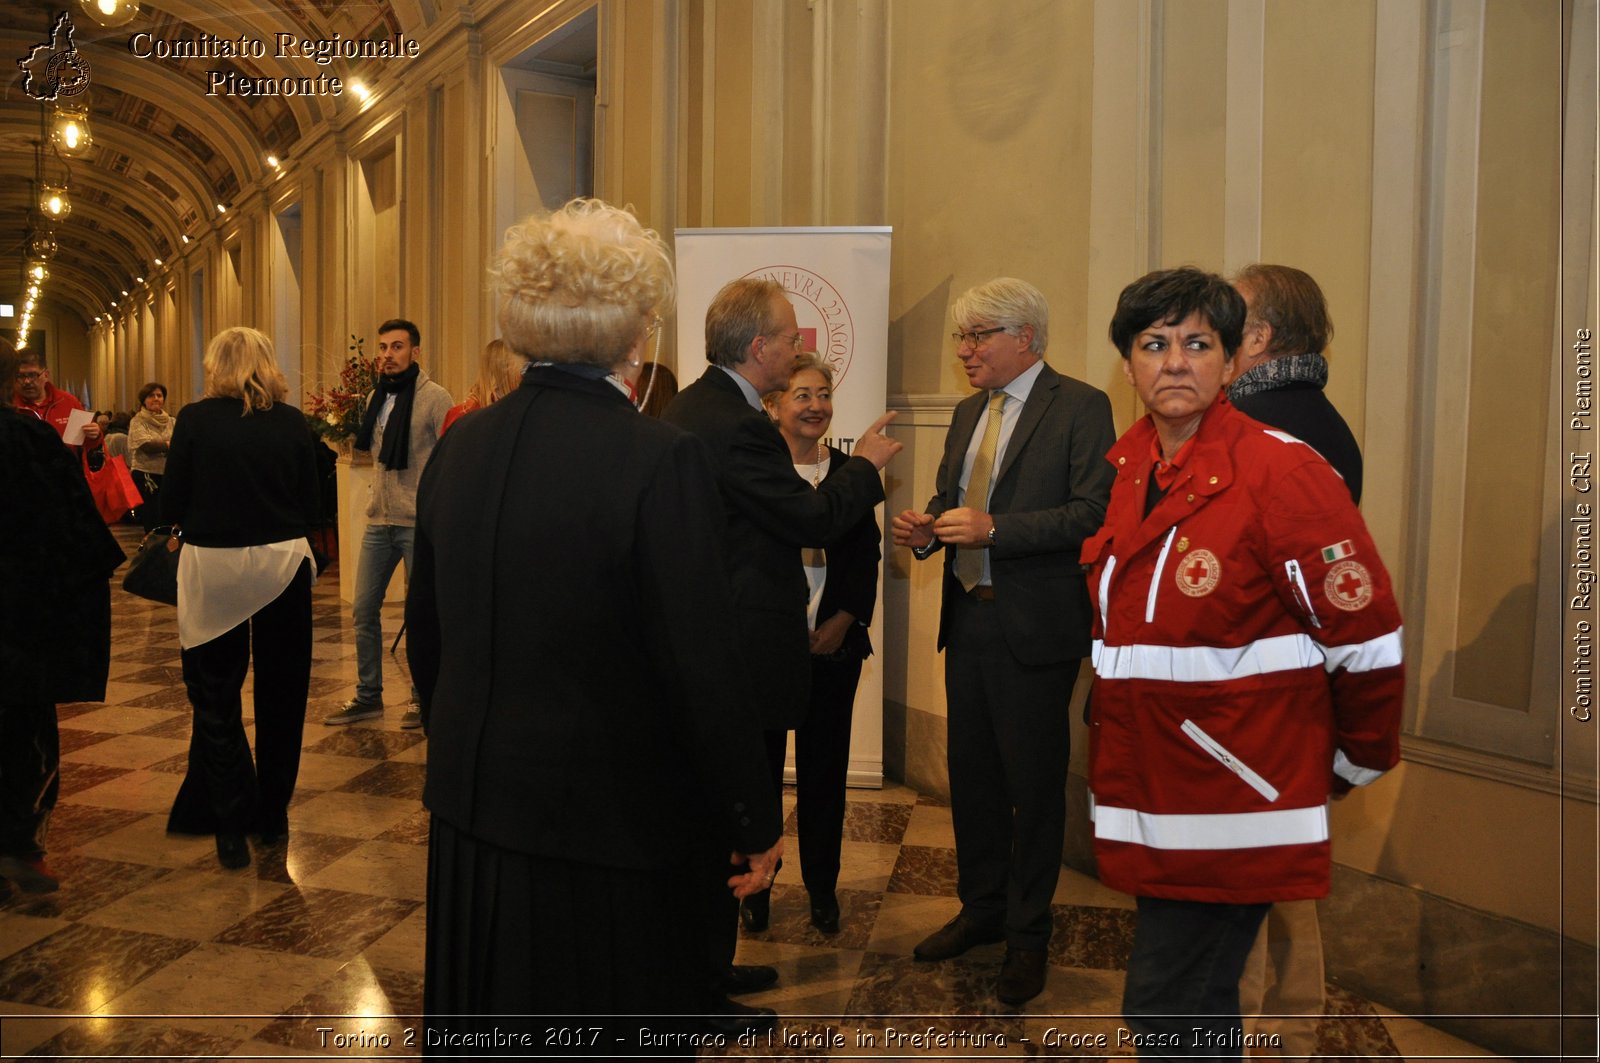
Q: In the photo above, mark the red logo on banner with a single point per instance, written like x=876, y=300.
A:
x=822, y=313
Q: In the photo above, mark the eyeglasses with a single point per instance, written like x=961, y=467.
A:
x=975, y=338
x=35, y=375
x=797, y=341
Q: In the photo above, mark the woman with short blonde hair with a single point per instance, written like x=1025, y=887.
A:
x=580, y=284
x=589, y=765
x=240, y=364
x=242, y=482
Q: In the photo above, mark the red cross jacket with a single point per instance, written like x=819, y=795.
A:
x=53, y=411
x=1247, y=663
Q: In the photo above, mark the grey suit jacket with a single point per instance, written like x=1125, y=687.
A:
x=1049, y=496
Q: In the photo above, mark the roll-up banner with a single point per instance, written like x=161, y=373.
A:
x=838, y=281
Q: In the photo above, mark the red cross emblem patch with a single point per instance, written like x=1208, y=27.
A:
x=1198, y=573
x=1348, y=585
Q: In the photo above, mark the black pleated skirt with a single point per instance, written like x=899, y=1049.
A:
x=586, y=961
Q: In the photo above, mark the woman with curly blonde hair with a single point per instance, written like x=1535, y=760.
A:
x=243, y=484
x=590, y=763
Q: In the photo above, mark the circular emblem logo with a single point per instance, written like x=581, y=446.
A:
x=1198, y=573
x=67, y=74
x=822, y=313
x=1348, y=585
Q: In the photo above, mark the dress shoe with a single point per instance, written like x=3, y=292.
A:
x=731, y=1018
x=232, y=850
x=1021, y=976
x=955, y=937
x=747, y=978
x=755, y=911
x=30, y=873
x=825, y=913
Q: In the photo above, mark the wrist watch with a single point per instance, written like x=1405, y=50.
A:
x=991, y=534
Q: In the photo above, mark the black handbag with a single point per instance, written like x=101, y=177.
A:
x=153, y=572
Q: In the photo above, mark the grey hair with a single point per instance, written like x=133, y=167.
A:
x=1006, y=301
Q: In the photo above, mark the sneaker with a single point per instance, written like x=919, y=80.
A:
x=411, y=719
x=30, y=873
x=354, y=709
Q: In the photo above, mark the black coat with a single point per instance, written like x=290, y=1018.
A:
x=56, y=556
x=572, y=636
x=1302, y=410
x=771, y=514
x=1049, y=495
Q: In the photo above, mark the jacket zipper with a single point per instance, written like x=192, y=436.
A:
x=1105, y=595
x=1297, y=584
x=1155, y=578
x=1229, y=761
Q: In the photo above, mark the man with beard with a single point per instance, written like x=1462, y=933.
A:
x=404, y=415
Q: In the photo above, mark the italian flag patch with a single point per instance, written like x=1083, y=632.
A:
x=1337, y=552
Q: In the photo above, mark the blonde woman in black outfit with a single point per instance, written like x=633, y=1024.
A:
x=591, y=757
x=242, y=483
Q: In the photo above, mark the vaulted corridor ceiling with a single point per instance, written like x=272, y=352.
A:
x=165, y=155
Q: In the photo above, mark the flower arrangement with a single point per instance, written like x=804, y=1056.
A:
x=335, y=413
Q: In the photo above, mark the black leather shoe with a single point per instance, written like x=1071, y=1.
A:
x=232, y=850
x=955, y=937
x=748, y=978
x=1021, y=977
x=732, y=1018
x=755, y=911
x=825, y=913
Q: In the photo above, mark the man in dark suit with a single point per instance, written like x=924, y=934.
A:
x=752, y=341
x=1024, y=480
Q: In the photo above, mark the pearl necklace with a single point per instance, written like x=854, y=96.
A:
x=816, y=475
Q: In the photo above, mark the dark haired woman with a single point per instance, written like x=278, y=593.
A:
x=149, y=439
x=1247, y=663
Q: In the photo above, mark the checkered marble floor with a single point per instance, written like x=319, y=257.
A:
x=152, y=950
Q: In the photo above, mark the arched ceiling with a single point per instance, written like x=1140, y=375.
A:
x=164, y=153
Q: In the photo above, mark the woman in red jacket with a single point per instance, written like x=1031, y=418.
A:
x=1247, y=665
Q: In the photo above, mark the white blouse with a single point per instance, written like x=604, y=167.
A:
x=814, y=558
x=220, y=588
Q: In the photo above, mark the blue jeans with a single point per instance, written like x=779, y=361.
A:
x=382, y=548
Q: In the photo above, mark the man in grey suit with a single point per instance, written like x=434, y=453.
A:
x=1023, y=482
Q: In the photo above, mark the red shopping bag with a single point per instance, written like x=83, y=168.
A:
x=112, y=487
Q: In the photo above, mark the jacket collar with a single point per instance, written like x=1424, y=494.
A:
x=555, y=376
x=1208, y=471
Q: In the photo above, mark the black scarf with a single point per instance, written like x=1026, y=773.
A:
x=397, y=431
